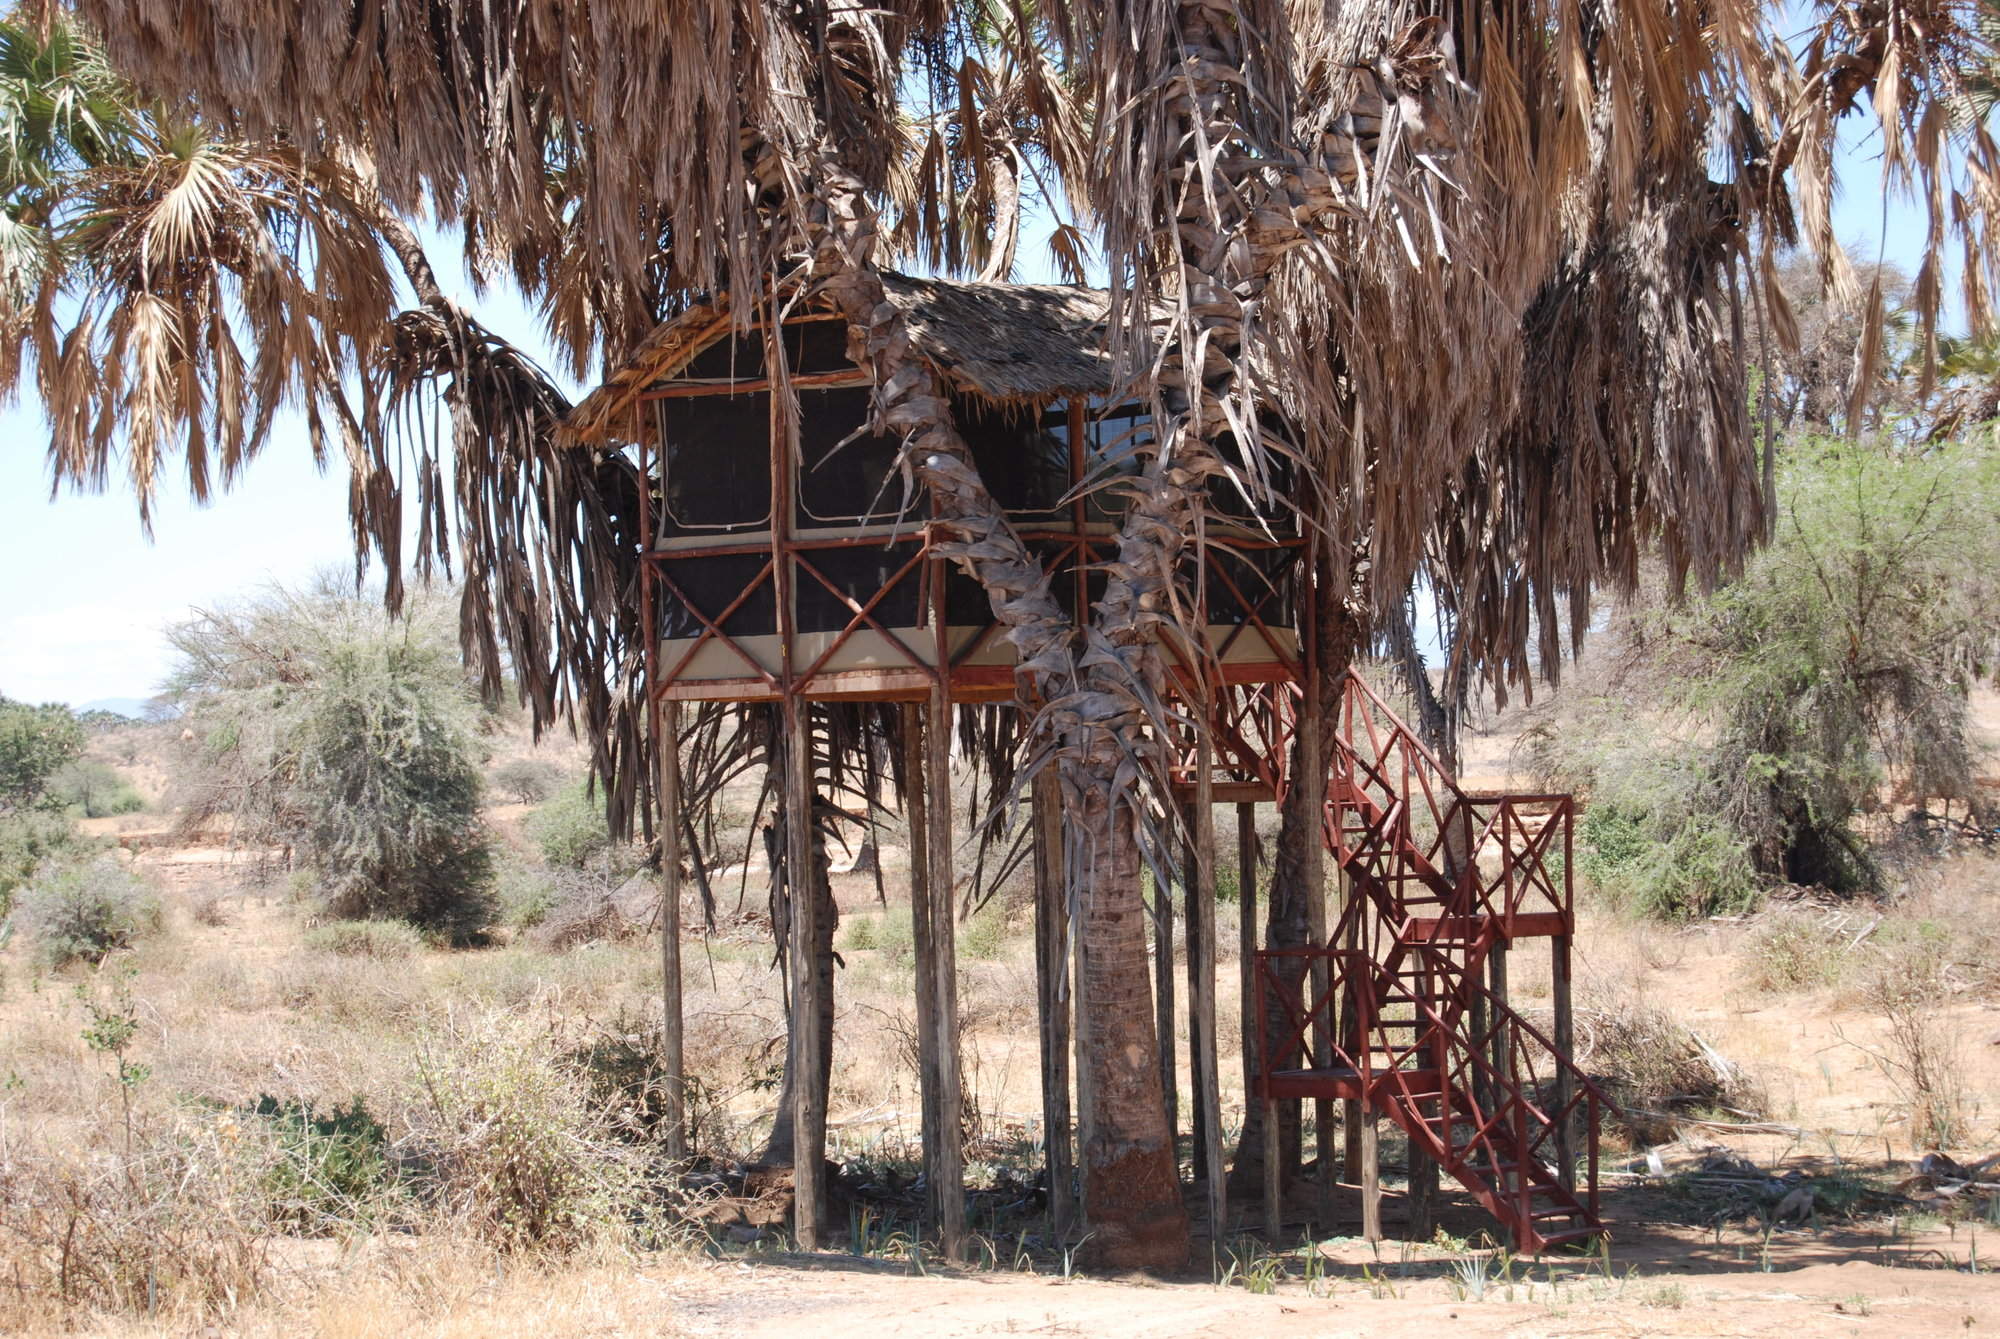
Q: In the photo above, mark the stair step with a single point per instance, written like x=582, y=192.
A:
x=1573, y=1211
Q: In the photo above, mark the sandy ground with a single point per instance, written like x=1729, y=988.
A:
x=853, y=1299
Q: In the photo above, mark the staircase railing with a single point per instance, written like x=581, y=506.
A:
x=1506, y=1078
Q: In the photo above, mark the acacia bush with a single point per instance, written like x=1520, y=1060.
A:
x=35, y=743
x=325, y=726
x=1833, y=672
x=570, y=830
x=28, y=840
x=94, y=789
x=527, y=780
x=85, y=911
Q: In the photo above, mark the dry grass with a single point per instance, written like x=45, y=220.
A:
x=1657, y=1066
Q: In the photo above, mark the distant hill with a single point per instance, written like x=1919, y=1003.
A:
x=133, y=707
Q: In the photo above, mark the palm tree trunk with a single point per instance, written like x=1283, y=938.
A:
x=1132, y=1184
x=1131, y=1177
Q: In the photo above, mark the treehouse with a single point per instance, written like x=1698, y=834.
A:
x=790, y=553
x=788, y=557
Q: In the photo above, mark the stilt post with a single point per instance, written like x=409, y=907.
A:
x=916, y=813
x=1052, y=991
x=667, y=752
x=808, y=1109
x=1163, y=1010
x=1371, y=1172
x=1246, y=943
x=1312, y=749
x=1201, y=991
x=1565, y=1040
x=948, y=1186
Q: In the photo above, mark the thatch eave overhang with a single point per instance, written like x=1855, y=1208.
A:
x=1016, y=345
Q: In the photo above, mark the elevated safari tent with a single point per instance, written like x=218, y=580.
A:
x=791, y=556
x=788, y=558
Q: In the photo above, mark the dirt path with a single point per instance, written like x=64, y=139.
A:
x=859, y=1300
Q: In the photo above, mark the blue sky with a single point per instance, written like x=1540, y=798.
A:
x=86, y=594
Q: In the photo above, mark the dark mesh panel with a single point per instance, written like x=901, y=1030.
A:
x=843, y=484
x=711, y=583
x=718, y=464
x=859, y=573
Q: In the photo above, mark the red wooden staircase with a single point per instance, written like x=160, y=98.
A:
x=1404, y=1009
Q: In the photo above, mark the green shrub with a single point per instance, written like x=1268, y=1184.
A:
x=984, y=937
x=384, y=940
x=570, y=829
x=527, y=780
x=94, y=789
x=30, y=839
x=329, y=1170
x=888, y=932
x=1675, y=865
x=526, y=895
x=323, y=724
x=35, y=743
x=85, y=912
x=857, y=933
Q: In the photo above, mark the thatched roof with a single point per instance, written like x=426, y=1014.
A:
x=1009, y=343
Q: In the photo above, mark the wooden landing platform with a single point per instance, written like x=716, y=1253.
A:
x=1342, y=1083
x=1462, y=929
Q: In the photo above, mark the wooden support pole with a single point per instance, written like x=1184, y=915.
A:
x=916, y=814
x=1371, y=1172
x=1274, y=1177
x=1423, y=1192
x=1190, y=876
x=808, y=1108
x=1313, y=872
x=1163, y=1011
x=1350, y=1030
x=948, y=1184
x=1052, y=990
x=1565, y=1042
x=1246, y=953
x=1201, y=991
x=667, y=754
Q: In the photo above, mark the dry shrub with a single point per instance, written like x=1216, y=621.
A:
x=355, y=991
x=210, y=907
x=1922, y=1057
x=170, y=1226
x=588, y=908
x=1657, y=1067
x=1798, y=948
x=385, y=941
x=521, y=1153
x=85, y=912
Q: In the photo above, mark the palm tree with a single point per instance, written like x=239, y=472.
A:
x=1396, y=225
